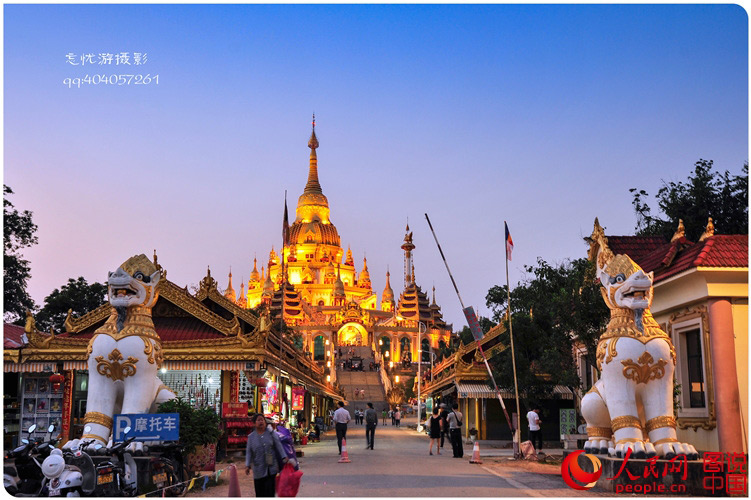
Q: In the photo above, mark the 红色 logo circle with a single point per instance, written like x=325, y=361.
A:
x=570, y=467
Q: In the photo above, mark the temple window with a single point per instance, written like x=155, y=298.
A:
x=690, y=340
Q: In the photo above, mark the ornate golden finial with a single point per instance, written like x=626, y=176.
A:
x=155, y=261
x=680, y=232
x=313, y=142
x=708, y=231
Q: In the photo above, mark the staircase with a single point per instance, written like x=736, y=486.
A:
x=367, y=381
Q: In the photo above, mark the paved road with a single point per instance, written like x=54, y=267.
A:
x=400, y=466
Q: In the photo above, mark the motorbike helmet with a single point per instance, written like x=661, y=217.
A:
x=54, y=464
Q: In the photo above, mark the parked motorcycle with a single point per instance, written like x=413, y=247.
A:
x=117, y=478
x=22, y=471
x=69, y=473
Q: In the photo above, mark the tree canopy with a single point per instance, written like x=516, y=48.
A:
x=706, y=193
x=77, y=295
x=550, y=309
x=18, y=233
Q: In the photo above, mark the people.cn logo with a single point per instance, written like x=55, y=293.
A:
x=570, y=467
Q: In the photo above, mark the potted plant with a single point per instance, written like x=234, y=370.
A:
x=199, y=433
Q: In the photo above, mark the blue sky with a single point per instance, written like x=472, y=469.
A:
x=542, y=115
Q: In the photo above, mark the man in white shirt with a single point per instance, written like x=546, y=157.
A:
x=341, y=417
x=535, y=434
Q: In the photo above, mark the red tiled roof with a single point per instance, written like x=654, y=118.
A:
x=669, y=259
x=169, y=330
x=635, y=247
x=12, y=336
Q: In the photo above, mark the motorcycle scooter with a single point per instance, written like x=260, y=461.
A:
x=69, y=473
x=23, y=475
x=117, y=478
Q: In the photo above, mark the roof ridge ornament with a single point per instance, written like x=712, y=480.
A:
x=680, y=232
x=708, y=231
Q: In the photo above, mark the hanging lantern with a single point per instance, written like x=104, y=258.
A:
x=56, y=380
x=261, y=382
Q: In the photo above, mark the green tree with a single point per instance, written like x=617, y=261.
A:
x=77, y=295
x=198, y=426
x=19, y=232
x=551, y=309
x=706, y=193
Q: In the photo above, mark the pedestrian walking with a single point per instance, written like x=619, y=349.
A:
x=371, y=421
x=444, y=424
x=455, y=420
x=341, y=418
x=397, y=416
x=385, y=414
x=262, y=453
x=393, y=419
x=535, y=433
x=434, y=425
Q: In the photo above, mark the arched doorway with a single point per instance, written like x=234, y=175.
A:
x=319, y=348
x=425, y=350
x=352, y=334
x=384, y=344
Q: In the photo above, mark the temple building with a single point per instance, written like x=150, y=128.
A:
x=315, y=286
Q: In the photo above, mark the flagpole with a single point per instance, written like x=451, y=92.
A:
x=479, y=344
x=285, y=232
x=517, y=433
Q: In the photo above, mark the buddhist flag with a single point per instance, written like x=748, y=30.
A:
x=509, y=242
x=285, y=223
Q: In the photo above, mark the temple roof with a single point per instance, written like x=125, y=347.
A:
x=667, y=258
x=13, y=336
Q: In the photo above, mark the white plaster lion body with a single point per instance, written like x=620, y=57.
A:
x=631, y=405
x=125, y=353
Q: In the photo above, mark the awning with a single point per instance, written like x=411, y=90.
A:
x=474, y=391
x=482, y=391
x=448, y=391
x=563, y=392
x=205, y=365
x=75, y=365
x=38, y=367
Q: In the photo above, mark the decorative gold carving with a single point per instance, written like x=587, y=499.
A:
x=624, y=421
x=93, y=417
x=148, y=350
x=113, y=369
x=628, y=440
x=611, y=350
x=137, y=324
x=601, y=352
x=90, y=347
x=622, y=324
x=600, y=432
x=645, y=370
x=94, y=436
x=659, y=422
x=75, y=325
x=666, y=440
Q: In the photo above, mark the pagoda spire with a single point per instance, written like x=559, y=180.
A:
x=313, y=186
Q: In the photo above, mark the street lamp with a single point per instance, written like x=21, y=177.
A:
x=420, y=331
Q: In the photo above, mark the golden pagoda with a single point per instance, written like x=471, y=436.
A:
x=314, y=286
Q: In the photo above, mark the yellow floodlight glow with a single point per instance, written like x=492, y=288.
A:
x=391, y=364
x=328, y=378
x=327, y=341
x=396, y=379
x=328, y=363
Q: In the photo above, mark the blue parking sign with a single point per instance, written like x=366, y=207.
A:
x=147, y=427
